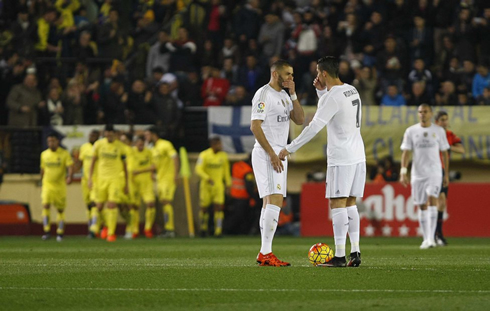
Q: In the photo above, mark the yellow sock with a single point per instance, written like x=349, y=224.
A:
x=135, y=219
x=218, y=222
x=168, y=217
x=149, y=218
x=95, y=226
x=204, y=217
x=111, y=220
x=60, y=219
x=46, y=223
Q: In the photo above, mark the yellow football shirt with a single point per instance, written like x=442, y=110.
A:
x=54, y=164
x=86, y=155
x=110, y=157
x=163, y=153
x=214, y=166
x=142, y=160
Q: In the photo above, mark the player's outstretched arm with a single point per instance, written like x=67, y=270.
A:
x=445, y=161
x=458, y=148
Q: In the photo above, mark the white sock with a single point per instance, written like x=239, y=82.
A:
x=340, y=222
x=269, y=226
x=424, y=223
x=433, y=221
x=261, y=220
x=354, y=225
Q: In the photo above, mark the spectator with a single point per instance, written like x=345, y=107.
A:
x=182, y=52
x=54, y=107
x=345, y=72
x=463, y=99
x=249, y=74
x=399, y=18
x=307, y=92
x=159, y=55
x=482, y=25
x=141, y=107
x=111, y=38
x=465, y=34
x=23, y=32
x=246, y=23
x=230, y=71
x=167, y=111
x=114, y=107
x=214, y=89
x=271, y=36
x=448, y=52
x=453, y=73
x=467, y=75
x=173, y=84
x=391, y=63
x=481, y=80
x=145, y=28
x=90, y=113
x=349, y=32
x=418, y=95
x=237, y=97
x=208, y=55
x=373, y=36
x=484, y=99
x=23, y=102
x=216, y=25
x=190, y=90
x=393, y=97
x=328, y=44
x=306, y=35
x=47, y=44
x=73, y=100
x=11, y=75
x=229, y=50
x=443, y=17
x=421, y=41
x=420, y=73
x=366, y=83
x=447, y=95
x=85, y=48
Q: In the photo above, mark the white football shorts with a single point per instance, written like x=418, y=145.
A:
x=268, y=180
x=346, y=181
x=425, y=187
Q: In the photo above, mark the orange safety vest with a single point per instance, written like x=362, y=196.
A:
x=238, y=173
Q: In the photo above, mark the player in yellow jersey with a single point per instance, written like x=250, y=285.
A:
x=167, y=164
x=214, y=169
x=85, y=160
x=110, y=158
x=54, y=163
x=127, y=201
x=142, y=182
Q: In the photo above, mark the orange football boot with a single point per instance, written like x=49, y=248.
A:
x=111, y=238
x=271, y=260
x=103, y=233
x=149, y=234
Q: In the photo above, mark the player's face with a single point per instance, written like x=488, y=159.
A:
x=92, y=137
x=140, y=144
x=285, y=74
x=110, y=135
x=53, y=143
x=217, y=146
x=124, y=139
x=321, y=77
x=443, y=122
x=424, y=114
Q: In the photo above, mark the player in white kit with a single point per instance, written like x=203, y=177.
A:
x=272, y=108
x=425, y=140
x=339, y=109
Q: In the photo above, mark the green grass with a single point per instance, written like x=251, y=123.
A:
x=212, y=274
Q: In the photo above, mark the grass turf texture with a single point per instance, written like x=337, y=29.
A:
x=219, y=274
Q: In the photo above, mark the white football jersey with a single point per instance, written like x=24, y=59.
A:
x=425, y=143
x=274, y=108
x=340, y=110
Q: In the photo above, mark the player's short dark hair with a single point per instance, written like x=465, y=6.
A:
x=95, y=132
x=53, y=134
x=128, y=135
x=426, y=106
x=157, y=70
x=140, y=137
x=441, y=114
x=153, y=130
x=330, y=64
x=109, y=128
x=214, y=139
x=279, y=64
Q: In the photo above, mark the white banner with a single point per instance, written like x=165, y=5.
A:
x=232, y=124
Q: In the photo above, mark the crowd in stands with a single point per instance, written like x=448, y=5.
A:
x=143, y=61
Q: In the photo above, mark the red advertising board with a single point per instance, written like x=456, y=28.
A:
x=388, y=210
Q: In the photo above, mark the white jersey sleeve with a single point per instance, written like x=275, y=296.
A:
x=443, y=143
x=259, y=108
x=320, y=93
x=407, y=143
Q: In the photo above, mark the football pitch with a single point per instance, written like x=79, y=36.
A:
x=221, y=274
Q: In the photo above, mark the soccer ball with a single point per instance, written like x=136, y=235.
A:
x=320, y=253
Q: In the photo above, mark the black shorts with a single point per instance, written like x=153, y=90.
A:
x=443, y=189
